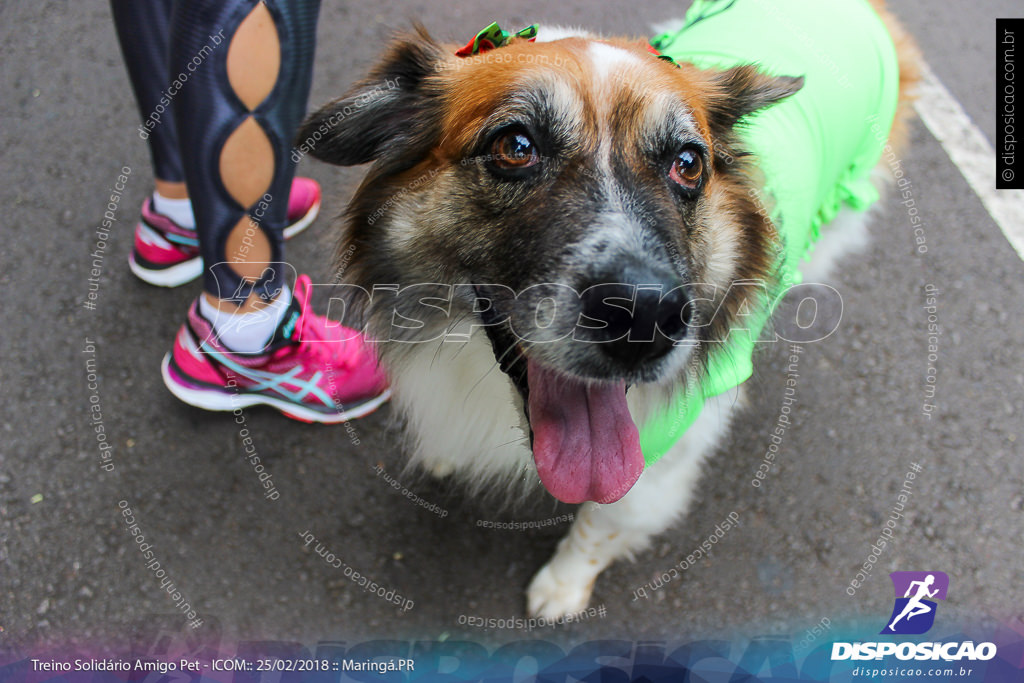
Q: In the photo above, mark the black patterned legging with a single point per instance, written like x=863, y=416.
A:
x=176, y=52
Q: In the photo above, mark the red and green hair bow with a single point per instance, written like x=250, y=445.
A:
x=492, y=37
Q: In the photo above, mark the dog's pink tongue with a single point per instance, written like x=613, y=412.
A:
x=585, y=443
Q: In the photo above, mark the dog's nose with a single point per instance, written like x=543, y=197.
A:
x=643, y=310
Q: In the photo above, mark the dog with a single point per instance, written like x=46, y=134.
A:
x=548, y=244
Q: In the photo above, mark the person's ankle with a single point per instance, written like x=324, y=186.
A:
x=178, y=210
x=171, y=190
x=247, y=328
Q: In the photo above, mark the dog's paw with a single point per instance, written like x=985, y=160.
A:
x=550, y=598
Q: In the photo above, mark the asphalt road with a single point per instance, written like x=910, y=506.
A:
x=69, y=571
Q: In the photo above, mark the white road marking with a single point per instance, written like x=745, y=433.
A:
x=970, y=152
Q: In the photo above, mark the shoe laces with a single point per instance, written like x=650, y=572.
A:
x=313, y=338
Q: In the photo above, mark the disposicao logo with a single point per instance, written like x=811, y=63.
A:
x=916, y=592
x=913, y=613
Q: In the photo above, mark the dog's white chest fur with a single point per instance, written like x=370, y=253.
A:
x=464, y=413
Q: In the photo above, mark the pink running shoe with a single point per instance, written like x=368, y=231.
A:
x=312, y=370
x=167, y=255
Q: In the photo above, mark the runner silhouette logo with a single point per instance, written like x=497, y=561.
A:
x=916, y=593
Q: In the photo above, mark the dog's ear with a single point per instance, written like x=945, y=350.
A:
x=392, y=108
x=743, y=90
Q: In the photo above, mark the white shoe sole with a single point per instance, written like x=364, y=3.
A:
x=186, y=271
x=220, y=401
x=304, y=222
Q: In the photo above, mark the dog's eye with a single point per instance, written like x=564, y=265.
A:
x=513, y=151
x=687, y=168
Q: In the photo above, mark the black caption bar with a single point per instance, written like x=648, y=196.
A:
x=1009, y=136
